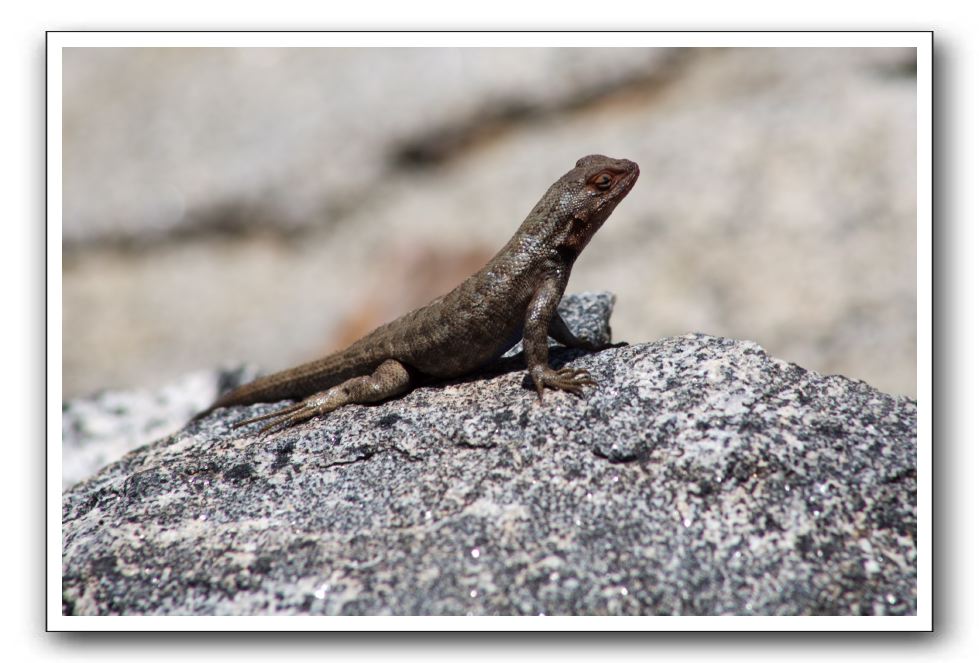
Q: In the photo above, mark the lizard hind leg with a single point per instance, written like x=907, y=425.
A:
x=389, y=379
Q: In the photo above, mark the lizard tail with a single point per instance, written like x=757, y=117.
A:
x=299, y=382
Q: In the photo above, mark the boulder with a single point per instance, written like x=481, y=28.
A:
x=700, y=477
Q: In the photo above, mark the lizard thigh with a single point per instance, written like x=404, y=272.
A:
x=389, y=379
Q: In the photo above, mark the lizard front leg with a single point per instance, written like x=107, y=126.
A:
x=389, y=379
x=539, y=322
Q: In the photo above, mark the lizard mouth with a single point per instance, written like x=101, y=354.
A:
x=631, y=174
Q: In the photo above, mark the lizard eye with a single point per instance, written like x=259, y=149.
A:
x=602, y=181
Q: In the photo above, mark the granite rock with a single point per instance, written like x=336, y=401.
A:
x=702, y=476
x=104, y=427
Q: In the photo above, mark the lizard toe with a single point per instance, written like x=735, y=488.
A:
x=275, y=414
x=570, y=379
x=287, y=419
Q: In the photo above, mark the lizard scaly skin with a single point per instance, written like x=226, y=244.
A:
x=516, y=294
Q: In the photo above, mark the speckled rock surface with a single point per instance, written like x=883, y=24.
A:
x=701, y=477
x=103, y=428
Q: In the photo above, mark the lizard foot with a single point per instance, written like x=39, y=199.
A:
x=565, y=379
x=284, y=417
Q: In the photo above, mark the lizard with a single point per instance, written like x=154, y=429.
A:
x=514, y=295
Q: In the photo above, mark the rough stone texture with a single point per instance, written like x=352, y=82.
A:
x=701, y=477
x=98, y=430
x=101, y=429
x=270, y=199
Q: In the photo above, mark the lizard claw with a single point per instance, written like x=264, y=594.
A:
x=286, y=420
x=282, y=418
x=269, y=415
x=568, y=379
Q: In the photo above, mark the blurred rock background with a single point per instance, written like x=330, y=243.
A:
x=270, y=205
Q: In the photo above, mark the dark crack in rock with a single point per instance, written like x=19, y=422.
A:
x=701, y=477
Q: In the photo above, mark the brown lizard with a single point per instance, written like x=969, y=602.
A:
x=516, y=294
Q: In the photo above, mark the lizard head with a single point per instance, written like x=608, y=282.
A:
x=586, y=196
